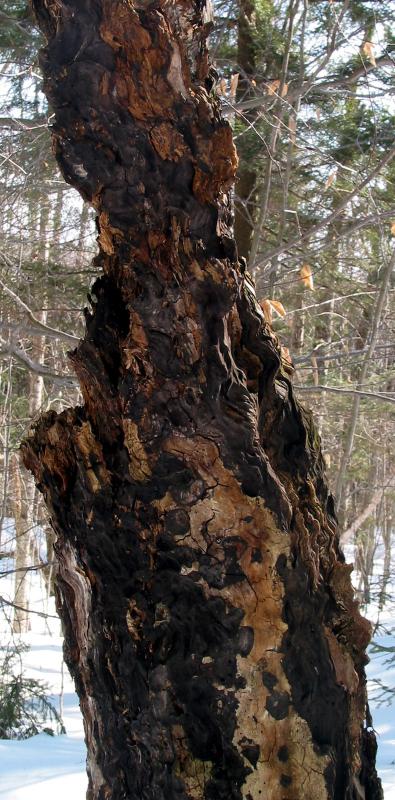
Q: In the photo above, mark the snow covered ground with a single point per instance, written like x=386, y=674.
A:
x=384, y=713
x=384, y=717
x=45, y=767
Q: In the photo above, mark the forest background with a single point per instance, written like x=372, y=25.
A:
x=309, y=90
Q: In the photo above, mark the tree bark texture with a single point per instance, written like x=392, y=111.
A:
x=209, y=620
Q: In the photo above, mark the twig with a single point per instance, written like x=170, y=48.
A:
x=337, y=390
x=34, y=366
x=43, y=329
x=372, y=505
x=26, y=610
x=284, y=248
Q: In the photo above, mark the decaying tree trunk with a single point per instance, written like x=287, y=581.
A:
x=208, y=614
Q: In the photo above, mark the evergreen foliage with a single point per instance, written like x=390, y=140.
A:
x=25, y=709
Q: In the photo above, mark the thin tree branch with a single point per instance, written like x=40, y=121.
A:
x=34, y=366
x=26, y=31
x=328, y=302
x=41, y=328
x=23, y=124
x=334, y=356
x=5, y=602
x=284, y=248
x=337, y=390
x=32, y=568
x=325, y=86
x=263, y=201
x=362, y=377
x=21, y=328
x=363, y=516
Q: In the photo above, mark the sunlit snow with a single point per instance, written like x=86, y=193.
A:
x=45, y=767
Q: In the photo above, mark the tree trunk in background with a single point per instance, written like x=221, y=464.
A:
x=385, y=590
x=298, y=319
x=247, y=172
x=364, y=371
x=25, y=490
x=209, y=619
x=20, y=622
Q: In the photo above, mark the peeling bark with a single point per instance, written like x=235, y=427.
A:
x=209, y=620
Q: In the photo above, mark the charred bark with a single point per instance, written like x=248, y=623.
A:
x=209, y=619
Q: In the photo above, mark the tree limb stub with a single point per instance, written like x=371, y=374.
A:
x=209, y=619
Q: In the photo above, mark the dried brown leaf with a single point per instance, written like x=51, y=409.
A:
x=233, y=85
x=367, y=49
x=306, y=276
x=266, y=307
x=222, y=87
x=272, y=87
x=330, y=179
x=278, y=307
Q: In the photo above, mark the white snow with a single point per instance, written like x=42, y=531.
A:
x=45, y=767
x=383, y=713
